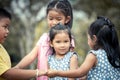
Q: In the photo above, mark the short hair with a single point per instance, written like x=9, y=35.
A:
x=4, y=13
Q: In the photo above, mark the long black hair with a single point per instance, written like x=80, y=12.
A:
x=107, y=38
x=64, y=6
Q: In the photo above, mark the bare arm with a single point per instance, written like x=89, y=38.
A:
x=21, y=74
x=73, y=64
x=89, y=62
x=28, y=59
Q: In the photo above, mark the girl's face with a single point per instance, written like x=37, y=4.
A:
x=91, y=42
x=61, y=44
x=4, y=24
x=54, y=17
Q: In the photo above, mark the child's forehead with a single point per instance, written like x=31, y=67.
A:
x=56, y=11
x=62, y=32
x=5, y=21
x=3, y=17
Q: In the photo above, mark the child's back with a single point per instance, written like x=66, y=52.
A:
x=103, y=70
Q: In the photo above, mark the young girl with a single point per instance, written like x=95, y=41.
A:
x=58, y=11
x=103, y=61
x=62, y=58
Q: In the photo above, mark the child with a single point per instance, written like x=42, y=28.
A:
x=58, y=11
x=61, y=58
x=103, y=61
x=6, y=72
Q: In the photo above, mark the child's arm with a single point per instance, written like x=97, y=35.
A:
x=73, y=63
x=21, y=74
x=28, y=59
x=89, y=62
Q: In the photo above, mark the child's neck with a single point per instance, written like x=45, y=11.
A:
x=58, y=56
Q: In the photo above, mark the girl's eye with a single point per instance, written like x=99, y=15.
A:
x=59, y=19
x=57, y=41
x=50, y=18
x=66, y=41
x=5, y=27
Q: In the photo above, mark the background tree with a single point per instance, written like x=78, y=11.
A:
x=108, y=8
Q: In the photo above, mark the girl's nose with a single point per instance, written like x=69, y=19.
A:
x=55, y=22
x=62, y=44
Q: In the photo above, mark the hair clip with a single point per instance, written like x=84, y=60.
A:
x=107, y=20
x=109, y=23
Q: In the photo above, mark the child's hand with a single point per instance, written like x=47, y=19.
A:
x=42, y=72
x=16, y=67
x=51, y=73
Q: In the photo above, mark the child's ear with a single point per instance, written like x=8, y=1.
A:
x=51, y=44
x=67, y=19
x=94, y=38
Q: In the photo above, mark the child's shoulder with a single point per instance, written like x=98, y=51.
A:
x=97, y=52
x=45, y=34
x=44, y=39
x=71, y=54
x=1, y=46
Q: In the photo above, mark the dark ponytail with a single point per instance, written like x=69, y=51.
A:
x=107, y=37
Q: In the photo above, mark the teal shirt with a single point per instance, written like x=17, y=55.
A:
x=60, y=64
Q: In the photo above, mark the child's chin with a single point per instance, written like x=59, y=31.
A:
x=2, y=41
